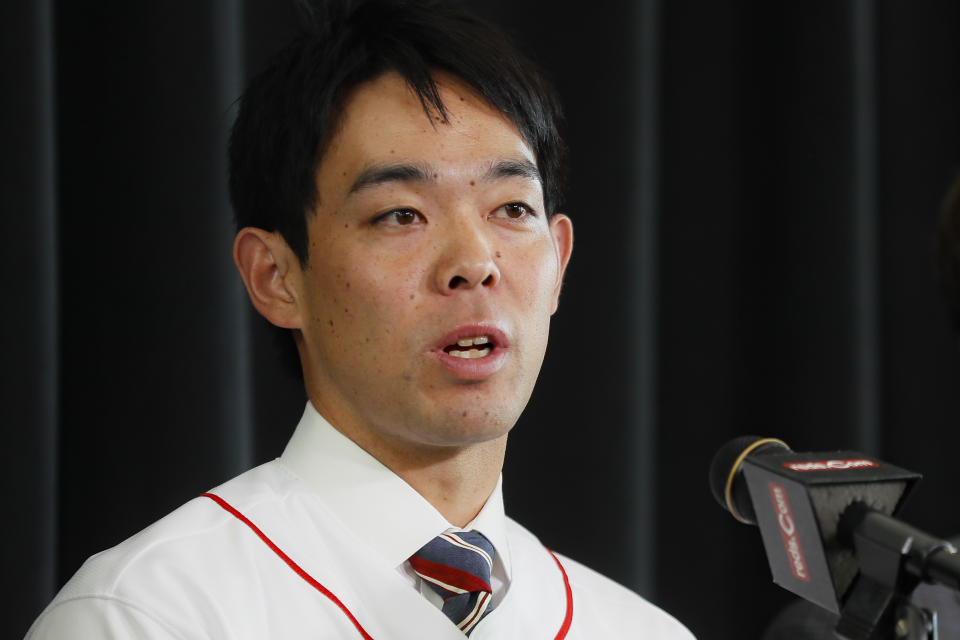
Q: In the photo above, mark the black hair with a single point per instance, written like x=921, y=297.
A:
x=291, y=110
x=947, y=247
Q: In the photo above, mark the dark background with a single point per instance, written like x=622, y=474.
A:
x=754, y=187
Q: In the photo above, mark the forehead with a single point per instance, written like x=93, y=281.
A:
x=383, y=121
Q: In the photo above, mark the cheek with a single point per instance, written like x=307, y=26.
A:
x=377, y=302
x=534, y=269
x=334, y=297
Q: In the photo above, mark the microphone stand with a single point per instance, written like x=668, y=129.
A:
x=894, y=557
x=876, y=612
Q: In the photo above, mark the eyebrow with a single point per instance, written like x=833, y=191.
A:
x=401, y=172
x=513, y=169
x=384, y=173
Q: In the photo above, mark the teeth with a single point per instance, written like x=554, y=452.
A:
x=469, y=342
x=471, y=353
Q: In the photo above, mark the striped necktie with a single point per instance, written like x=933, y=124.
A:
x=457, y=566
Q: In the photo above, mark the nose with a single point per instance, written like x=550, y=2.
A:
x=467, y=260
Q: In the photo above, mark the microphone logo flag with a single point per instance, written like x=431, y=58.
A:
x=831, y=465
x=788, y=531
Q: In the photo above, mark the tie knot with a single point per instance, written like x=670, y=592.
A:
x=457, y=566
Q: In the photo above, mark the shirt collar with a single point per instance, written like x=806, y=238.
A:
x=367, y=496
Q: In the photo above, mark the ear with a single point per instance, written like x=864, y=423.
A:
x=561, y=228
x=271, y=273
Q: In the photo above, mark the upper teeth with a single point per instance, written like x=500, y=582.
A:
x=475, y=341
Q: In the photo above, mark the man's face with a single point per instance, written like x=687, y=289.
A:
x=426, y=237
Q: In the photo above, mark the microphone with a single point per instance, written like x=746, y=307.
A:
x=826, y=520
x=826, y=523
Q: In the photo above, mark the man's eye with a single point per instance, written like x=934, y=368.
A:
x=401, y=217
x=517, y=210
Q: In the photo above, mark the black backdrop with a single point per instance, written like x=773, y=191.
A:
x=754, y=190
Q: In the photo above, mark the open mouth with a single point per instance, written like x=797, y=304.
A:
x=469, y=348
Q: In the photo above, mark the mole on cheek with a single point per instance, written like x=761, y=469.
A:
x=499, y=255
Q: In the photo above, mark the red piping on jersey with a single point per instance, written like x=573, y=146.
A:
x=567, y=619
x=293, y=565
x=564, y=628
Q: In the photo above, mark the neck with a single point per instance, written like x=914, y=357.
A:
x=455, y=479
x=458, y=482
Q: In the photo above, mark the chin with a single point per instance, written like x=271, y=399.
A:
x=471, y=426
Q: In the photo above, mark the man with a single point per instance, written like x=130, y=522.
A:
x=395, y=177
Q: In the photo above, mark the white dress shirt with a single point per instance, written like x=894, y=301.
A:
x=368, y=497
x=323, y=553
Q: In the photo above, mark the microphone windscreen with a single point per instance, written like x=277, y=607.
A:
x=726, y=481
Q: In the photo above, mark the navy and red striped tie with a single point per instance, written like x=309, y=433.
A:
x=457, y=566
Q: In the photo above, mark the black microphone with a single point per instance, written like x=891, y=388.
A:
x=827, y=525
x=813, y=508
x=726, y=473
